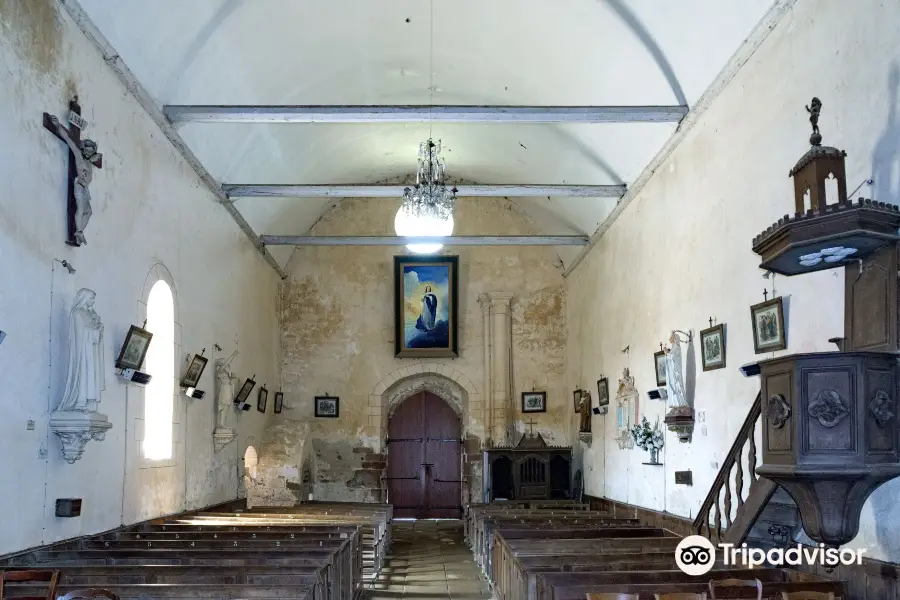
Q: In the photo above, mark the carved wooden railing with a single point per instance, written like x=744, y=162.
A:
x=719, y=501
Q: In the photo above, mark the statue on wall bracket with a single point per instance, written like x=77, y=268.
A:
x=222, y=436
x=77, y=418
x=83, y=158
x=680, y=418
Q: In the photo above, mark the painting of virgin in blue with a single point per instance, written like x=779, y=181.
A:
x=426, y=306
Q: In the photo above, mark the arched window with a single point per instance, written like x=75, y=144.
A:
x=159, y=393
x=251, y=460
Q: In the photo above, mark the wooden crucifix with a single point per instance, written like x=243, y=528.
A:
x=531, y=425
x=83, y=157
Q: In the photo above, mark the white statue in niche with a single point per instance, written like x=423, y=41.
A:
x=225, y=393
x=76, y=420
x=223, y=435
x=674, y=374
x=85, y=379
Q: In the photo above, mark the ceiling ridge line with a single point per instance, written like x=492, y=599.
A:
x=112, y=58
x=744, y=53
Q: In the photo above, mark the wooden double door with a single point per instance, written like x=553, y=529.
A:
x=424, y=459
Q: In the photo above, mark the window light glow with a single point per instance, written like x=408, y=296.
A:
x=160, y=363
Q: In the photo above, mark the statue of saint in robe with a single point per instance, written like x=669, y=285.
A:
x=674, y=376
x=428, y=318
x=225, y=393
x=584, y=408
x=85, y=378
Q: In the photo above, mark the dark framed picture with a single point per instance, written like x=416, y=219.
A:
x=426, y=306
x=134, y=349
x=261, y=399
x=534, y=402
x=279, y=402
x=328, y=406
x=659, y=366
x=244, y=392
x=768, y=326
x=576, y=397
x=712, y=348
x=603, y=392
x=194, y=372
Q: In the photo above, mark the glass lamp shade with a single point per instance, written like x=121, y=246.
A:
x=408, y=225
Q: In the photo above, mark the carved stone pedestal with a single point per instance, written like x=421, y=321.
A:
x=75, y=429
x=223, y=436
x=680, y=420
x=830, y=434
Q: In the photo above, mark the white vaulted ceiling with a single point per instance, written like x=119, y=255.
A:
x=485, y=52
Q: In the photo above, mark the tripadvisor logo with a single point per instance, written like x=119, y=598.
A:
x=696, y=555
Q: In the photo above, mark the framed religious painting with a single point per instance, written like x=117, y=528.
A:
x=659, y=367
x=194, y=372
x=426, y=306
x=244, y=393
x=279, y=402
x=328, y=406
x=576, y=397
x=603, y=392
x=768, y=326
x=261, y=399
x=712, y=348
x=134, y=349
x=534, y=402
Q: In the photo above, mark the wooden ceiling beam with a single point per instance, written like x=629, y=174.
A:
x=353, y=190
x=180, y=114
x=459, y=240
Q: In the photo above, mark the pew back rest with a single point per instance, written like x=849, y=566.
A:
x=732, y=583
x=51, y=577
x=88, y=593
x=612, y=596
x=681, y=596
x=807, y=596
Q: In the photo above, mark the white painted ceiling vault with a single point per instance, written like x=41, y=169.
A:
x=485, y=52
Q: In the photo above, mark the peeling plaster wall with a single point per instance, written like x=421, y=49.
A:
x=680, y=253
x=279, y=472
x=149, y=209
x=338, y=335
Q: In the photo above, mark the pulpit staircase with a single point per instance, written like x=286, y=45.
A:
x=742, y=507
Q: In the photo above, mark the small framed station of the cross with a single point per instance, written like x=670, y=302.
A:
x=83, y=157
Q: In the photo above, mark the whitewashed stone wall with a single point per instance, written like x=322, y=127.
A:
x=338, y=338
x=680, y=253
x=151, y=216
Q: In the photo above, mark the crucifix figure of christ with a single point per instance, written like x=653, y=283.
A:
x=83, y=157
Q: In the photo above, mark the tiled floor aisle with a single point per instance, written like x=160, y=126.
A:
x=430, y=559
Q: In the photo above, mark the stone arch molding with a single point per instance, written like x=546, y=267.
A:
x=447, y=389
x=445, y=381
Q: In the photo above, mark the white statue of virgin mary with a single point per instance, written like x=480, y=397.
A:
x=85, y=379
x=674, y=376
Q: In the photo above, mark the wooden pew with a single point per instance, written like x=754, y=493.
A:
x=572, y=586
x=315, y=552
x=513, y=580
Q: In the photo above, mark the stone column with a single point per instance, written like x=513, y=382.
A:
x=485, y=301
x=500, y=373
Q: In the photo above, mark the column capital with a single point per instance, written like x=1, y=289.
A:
x=485, y=301
x=499, y=299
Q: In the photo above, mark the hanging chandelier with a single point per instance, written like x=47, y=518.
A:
x=428, y=207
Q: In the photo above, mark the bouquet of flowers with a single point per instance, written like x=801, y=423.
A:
x=646, y=438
